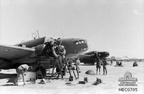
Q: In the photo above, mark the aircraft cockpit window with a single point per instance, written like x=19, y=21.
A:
x=77, y=43
x=82, y=41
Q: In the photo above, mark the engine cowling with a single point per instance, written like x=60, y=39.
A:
x=45, y=49
x=40, y=49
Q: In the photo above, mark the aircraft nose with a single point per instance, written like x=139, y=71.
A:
x=106, y=54
x=103, y=54
x=80, y=45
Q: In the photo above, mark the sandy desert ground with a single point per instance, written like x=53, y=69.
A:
x=109, y=85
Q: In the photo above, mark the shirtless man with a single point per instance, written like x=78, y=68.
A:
x=20, y=72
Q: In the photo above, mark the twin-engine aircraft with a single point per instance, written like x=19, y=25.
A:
x=31, y=52
x=90, y=57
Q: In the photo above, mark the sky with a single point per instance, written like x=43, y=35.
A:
x=116, y=26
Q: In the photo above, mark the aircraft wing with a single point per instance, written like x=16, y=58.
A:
x=14, y=52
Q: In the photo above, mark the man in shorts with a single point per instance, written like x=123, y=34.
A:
x=21, y=72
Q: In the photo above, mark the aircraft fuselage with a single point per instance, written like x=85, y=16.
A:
x=73, y=47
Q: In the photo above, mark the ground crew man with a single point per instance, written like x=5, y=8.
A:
x=61, y=52
x=61, y=60
x=71, y=68
x=111, y=62
x=20, y=72
x=77, y=62
x=98, y=63
x=104, y=66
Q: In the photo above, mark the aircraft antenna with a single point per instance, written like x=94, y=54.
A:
x=38, y=33
x=62, y=37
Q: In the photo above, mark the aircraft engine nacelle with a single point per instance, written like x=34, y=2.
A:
x=45, y=50
x=39, y=50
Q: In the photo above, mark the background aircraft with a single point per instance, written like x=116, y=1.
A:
x=89, y=57
x=30, y=52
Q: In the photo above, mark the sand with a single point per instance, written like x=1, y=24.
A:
x=110, y=83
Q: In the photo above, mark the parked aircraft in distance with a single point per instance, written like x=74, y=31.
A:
x=28, y=52
x=90, y=57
